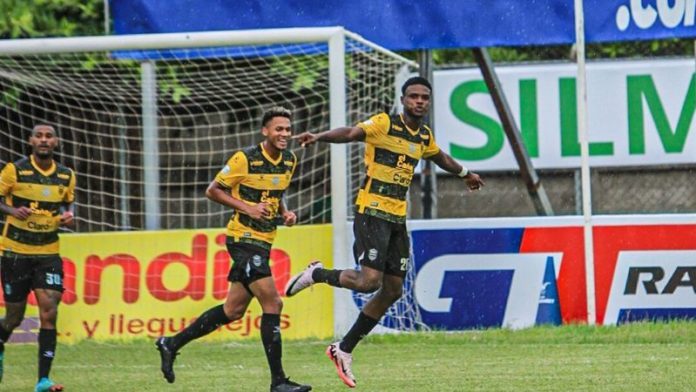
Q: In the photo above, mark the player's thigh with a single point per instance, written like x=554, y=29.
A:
x=398, y=251
x=267, y=294
x=16, y=274
x=237, y=301
x=371, y=241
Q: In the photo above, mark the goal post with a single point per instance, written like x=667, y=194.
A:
x=147, y=120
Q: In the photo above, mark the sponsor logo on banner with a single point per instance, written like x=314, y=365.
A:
x=644, y=15
x=652, y=285
x=477, y=278
x=147, y=284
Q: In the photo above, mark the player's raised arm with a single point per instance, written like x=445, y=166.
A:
x=337, y=135
x=447, y=163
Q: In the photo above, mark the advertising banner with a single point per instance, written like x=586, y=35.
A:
x=645, y=271
x=630, y=20
x=640, y=113
x=389, y=23
x=520, y=272
x=146, y=284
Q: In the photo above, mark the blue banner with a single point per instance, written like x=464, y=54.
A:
x=630, y=20
x=394, y=24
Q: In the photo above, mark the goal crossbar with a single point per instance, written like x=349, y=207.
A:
x=27, y=46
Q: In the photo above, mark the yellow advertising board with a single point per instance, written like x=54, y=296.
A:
x=128, y=285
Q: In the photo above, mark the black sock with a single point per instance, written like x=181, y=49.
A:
x=273, y=346
x=4, y=337
x=47, y=350
x=323, y=275
x=362, y=326
x=208, y=322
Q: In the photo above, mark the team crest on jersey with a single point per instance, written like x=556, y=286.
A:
x=411, y=148
x=275, y=180
x=46, y=192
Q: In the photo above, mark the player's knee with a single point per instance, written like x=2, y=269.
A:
x=392, y=293
x=369, y=285
x=274, y=306
x=48, y=315
x=233, y=312
x=11, y=323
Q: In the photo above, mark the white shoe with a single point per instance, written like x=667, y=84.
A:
x=342, y=360
x=302, y=280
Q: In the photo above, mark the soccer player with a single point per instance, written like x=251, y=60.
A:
x=252, y=183
x=394, y=146
x=37, y=198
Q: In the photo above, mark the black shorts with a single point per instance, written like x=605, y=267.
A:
x=249, y=263
x=21, y=274
x=381, y=244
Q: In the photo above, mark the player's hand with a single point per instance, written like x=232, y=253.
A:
x=260, y=211
x=289, y=218
x=21, y=213
x=306, y=138
x=473, y=181
x=66, y=219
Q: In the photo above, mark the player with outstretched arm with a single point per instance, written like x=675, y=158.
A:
x=393, y=147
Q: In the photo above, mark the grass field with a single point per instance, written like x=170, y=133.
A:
x=637, y=357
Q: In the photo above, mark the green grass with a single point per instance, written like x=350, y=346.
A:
x=637, y=357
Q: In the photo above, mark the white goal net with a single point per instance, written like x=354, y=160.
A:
x=146, y=123
x=207, y=103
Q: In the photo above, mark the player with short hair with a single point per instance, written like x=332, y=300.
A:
x=393, y=147
x=37, y=198
x=253, y=183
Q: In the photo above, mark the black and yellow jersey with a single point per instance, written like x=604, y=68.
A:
x=254, y=177
x=392, y=151
x=24, y=184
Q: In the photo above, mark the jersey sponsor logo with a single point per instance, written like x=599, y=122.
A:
x=649, y=285
x=34, y=206
x=401, y=179
x=402, y=163
x=644, y=15
x=40, y=226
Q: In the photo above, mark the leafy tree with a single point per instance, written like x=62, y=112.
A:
x=51, y=18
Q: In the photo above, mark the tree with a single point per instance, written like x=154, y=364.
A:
x=51, y=18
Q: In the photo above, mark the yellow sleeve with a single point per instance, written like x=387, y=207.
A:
x=433, y=148
x=375, y=128
x=8, y=179
x=70, y=194
x=233, y=172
